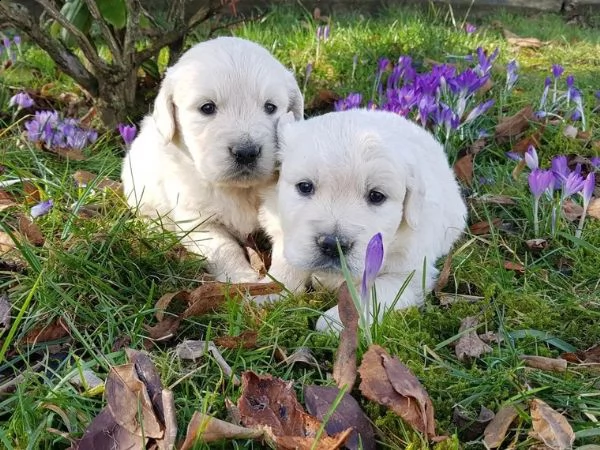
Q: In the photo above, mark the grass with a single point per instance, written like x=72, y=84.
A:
x=103, y=275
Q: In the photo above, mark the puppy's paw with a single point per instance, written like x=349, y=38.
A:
x=330, y=321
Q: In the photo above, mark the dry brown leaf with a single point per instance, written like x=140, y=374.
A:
x=203, y=428
x=146, y=371
x=31, y=231
x=463, y=169
x=83, y=178
x=246, y=340
x=302, y=355
x=164, y=329
x=515, y=267
x=444, y=276
x=534, y=139
x=68, y=153
x=4, y=313
x=589, y=356
x=387, y=381
x=536, y=245
x=543, y=363
x=163, y=303
x=485, y=226
x=518, y=41
x=550, y=427
x=571, y=210
x=495, y=199
x=449, y=299
x=516, y=172
x=32, y=193
x=594, y=208
x=50, y=332
x=104, y=432
x=344, y=366
x=496, y=431
x=270, y=404
x=170, y=421
x=347, y=414
x=512, y=126
x=128, y=401
x=469, y=345
x=570, y=131
x=470, y=428
x=6, y=200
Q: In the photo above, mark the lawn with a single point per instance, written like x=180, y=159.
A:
x=97, y=272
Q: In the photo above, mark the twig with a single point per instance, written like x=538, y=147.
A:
x=86, y=46
x=19, y=378
x=104, y=29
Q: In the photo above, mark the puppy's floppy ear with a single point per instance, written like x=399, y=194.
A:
x=296, y=103
x=164, y=111
x=414, y=199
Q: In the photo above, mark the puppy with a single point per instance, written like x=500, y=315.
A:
x=346, y=176
x=203, y=157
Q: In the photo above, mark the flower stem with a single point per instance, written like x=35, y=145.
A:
x=580, y=225
x=536, y=223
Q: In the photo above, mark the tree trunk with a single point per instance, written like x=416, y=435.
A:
x=116, y=101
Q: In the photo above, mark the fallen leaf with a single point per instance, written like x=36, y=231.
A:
x=84, y=178
x=163, y=330
x=302, y=355
x=477, y=146
x=463, y=168
x=485, y=226
x=571, y=210
x=589, y=356
x=518, y=41
x=190, y=349
x=515, y=267
x=270, y=404
x=534, y=139
x=170, y=421
x=50, y=332
x=594, y=208
x=444, y=276
x=163, y=303
x=469, y=345
x=495, y=199
x=347, y=414
x=496, y=431
x=86, y=380
x=129, y=403
x=104, y=432
x=68, y=153
x=4, y=313
x=543, y=363
x=246, y=340
x=344, y=366
x=146, y=371
x=512, y=126
x=449, y=299
x=516, y=172
x=31, y=231
x=550, y=427
x=203, y=428
x=387, y=381
x=6, y=200
x=470, y=428
x=570, y=131
x=536, y=245
x=32, y=193
x=491, y=337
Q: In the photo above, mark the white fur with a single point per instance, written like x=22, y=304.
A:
x=345, y=155
x=180, y=167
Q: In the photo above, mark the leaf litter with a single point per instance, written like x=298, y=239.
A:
x=470, y=345
x=344, y=368
x=550, y=427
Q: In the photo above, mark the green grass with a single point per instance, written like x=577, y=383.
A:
x=103, y=275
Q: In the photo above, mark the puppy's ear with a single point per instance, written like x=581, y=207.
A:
x=296, y=103
x=414, y=199
x=164, y=111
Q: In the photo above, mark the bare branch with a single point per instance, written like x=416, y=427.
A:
x=64, y=58
x=86, y=46
x=108, y=35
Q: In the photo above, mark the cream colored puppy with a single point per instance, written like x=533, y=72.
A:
x=203, y=157
x=346, y=176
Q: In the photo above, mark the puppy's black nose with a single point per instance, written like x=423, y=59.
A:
x=245, y=153
x=328, y=244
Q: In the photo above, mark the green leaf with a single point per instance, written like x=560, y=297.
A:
x=544, y=336
x=114, y=12
x=78, y=14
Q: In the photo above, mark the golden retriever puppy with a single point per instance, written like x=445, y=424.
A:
x=202, y=159
x=346, y=176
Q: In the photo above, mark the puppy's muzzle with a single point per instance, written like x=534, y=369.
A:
x=245, y=154
x=328, y=245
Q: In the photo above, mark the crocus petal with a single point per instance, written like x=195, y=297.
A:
x=373, y=263
x=557, y=70
x=128, y=133
x=588, y=189
x=41, y=208
x=595, y=162
x=539, y=180
x=531, y=158
x=572, y=185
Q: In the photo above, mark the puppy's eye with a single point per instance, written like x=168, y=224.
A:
x=305, y=188
x=209, y=108
x=376, y=197
x=270, y=108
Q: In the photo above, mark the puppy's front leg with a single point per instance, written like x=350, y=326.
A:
x=224, y=255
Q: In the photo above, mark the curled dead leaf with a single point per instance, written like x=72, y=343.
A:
x=385, y=380
x=444, y=276
x=7, y=200
x=511, y=126
x=463, y=169
x=246, y=340
x=495, y=199
x=571, y=210
x=594, y=208
x=470, y=428
x=469, y=345
x=344, y=366
x=521, y=42
x=302, y=355
x=104, y=432
x=543, y=363
x=536, y=245
x=31, y=231
x=203, y=428
x=589, y=356
x=550, y=427
x=47, y=332
x=495, y=433
x=485, y=226
x=84, y=178
x=515, y=267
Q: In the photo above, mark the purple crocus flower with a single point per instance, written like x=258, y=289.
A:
x=41, y=208
x=21, y=100
x=382, y=65
x=595, y=161
x=588, y=189
x=511, y=74
x=572, y=185
x=308, y=71
x=373, y=263
x=319, y=33
x=544, y=97
x=560, y=170
x=128, y=133
x=515, y=156
x=539, y=181
x=6, y=42
x=485, y=62
x=17, y=40
x=570, y=81
x=326, y=33
x=531, y=158
x=479, y=110
x=470, y=28
x=557, y=70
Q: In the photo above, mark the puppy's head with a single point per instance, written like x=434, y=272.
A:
x=221, y=103
x=344, y=178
